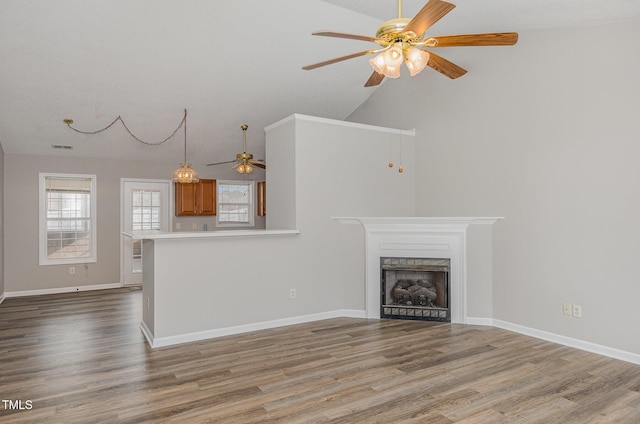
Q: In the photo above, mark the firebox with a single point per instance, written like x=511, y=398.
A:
x=415, y=288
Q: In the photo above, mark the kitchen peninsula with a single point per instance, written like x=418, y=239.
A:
x=191, y=289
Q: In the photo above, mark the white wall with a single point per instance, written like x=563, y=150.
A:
x=339, y=169
x=544, y=133
x=281, y=177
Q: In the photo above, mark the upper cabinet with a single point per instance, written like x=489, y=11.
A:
x=262, y=198
x=196, y=199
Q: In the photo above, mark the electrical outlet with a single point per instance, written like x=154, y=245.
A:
x=177, y=225
x=72, y=270
x=566, y=309
x=292, y=293
x=195, y=226
x=577, y=311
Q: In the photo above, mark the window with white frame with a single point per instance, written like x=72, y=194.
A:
x=146, y=209
x=145, y=215
x=67, y=218
x=236, y=206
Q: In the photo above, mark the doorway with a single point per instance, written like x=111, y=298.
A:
x=145, y=205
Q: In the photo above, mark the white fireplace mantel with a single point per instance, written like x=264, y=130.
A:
x=425, y=237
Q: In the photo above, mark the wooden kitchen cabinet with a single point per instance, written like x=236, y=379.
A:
x=196, y=199
x=262, y=198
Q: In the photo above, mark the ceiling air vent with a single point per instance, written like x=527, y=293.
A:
x=61, y=147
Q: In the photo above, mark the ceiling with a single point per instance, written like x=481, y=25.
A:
x=227, y=63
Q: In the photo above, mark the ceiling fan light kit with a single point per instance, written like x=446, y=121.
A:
x=244, y=166
x=404, y=40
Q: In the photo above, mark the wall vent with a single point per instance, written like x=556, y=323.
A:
x=61, y=147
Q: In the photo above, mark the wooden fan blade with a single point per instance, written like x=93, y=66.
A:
x=337, y=59
x=431, y=13
x=445, y=67
x=220, y=163
x=374, y=79
x=489, y=39
x=258, y=164
x=345, y=35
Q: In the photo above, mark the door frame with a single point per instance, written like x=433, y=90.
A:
x=171, y=210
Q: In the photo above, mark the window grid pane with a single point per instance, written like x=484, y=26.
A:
x=68, y=224
x=146, y=213
x=234, y=203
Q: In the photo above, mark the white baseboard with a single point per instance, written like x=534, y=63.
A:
x=622, y=355
x=2, y=297
x=479, y=321
x=62, y=290
x=354, y=313
x=147, y=333
x=228, y=331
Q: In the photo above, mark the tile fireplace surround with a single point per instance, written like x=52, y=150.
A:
x=418, y=237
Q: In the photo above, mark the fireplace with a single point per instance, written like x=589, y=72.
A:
x=432, y=237
x=415, y=288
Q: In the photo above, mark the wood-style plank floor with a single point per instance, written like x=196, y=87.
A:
x=81, y=358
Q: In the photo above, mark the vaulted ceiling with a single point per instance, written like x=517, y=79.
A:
x=227, y=63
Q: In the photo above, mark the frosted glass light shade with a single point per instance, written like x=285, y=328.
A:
x=393, y=56
x=393, y=72
x=388, y=62
x=416, y=60
x=378, y=65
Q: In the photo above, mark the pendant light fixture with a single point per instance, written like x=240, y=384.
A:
x=185, y=174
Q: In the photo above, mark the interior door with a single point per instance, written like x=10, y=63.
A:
x=145, y=206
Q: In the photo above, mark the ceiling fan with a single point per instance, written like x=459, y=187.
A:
x=244, y=160
x=404, y=39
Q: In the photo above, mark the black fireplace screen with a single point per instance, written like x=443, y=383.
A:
x=415, y=288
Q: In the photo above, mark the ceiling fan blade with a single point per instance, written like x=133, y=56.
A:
x=445, y=67
x=220, y=163
x=345, y=35
x=337, y=59
x=374, y=79
x=258, y=164
x=431, y=13
x=489, y=39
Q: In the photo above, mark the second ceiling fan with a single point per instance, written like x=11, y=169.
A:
x=404, y=40
x=244, y=161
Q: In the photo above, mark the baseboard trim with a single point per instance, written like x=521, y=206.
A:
x=479, y=321
x=228, y=331
x=569, y=341
x=147, y=333
x=355, y=313
x=40, y=292
x=2, y=298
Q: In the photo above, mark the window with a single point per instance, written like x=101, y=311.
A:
x=146, y=209
x=67, y=218
x=235, y=203
x=145, y=215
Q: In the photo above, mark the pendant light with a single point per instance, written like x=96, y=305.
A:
x=185, y=174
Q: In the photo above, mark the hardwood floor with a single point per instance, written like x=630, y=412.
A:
x=81, y=358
